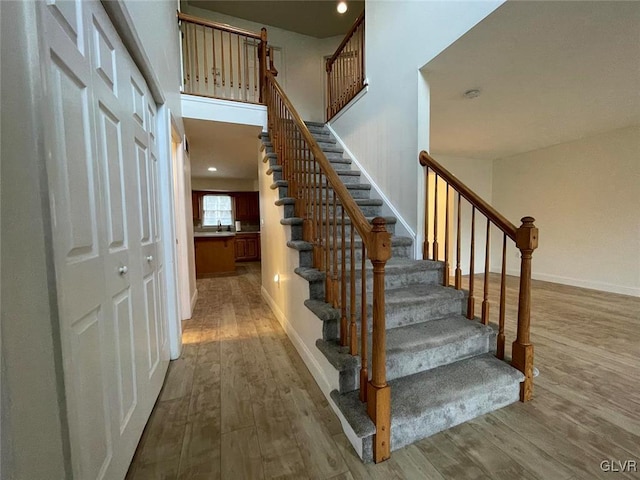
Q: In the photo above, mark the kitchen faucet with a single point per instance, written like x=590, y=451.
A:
x=219, y=225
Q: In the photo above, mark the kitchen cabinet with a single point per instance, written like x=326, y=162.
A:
x=247, y=246
x=196, y=202
x=247, y=207
x=214, y=254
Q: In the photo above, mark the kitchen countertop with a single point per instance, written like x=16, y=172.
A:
x=214, y=234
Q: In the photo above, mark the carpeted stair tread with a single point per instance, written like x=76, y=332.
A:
x=428, y=345
x=355, y=413
x=459, y=380
x=285, y=201
x=322, y=310
x=425, y=403
x=426, y=335
x=291, y=221
x=421, y=294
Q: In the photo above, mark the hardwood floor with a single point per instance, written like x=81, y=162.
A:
x=240, y=403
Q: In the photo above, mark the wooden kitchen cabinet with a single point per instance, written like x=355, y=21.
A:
x=247, y=246
x=247, y=207
x=196, y=202
x=214, y=255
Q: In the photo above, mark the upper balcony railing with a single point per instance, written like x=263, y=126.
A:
x=345, y=69
x=221, y=61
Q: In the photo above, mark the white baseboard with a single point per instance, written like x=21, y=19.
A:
x=194, y=299
x=408, y=230
x=577, y=282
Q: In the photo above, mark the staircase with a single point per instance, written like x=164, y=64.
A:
x=441, y=366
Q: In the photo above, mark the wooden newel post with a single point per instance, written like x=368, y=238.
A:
x=262, y=67
x=378, y=392
x=522, y=349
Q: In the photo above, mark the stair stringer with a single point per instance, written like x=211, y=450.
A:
x=301, y=325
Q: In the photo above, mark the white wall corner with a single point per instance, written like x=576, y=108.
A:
x=402, y=227
x=194, y=299
x=351, y=103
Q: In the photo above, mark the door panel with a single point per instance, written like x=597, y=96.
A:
x=90, y=395
x=125, y=360
x=102, y=169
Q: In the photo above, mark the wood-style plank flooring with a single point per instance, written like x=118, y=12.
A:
x=240, y=403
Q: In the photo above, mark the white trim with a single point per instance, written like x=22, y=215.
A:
x=352, y=102
x=315, y=369
x=194, y=299
x=576, y=282
x=407, y=229
x=217, y=110
x=166, y=127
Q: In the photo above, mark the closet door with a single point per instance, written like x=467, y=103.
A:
x=103, y=197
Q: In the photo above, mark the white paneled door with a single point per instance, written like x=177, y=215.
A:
x=103, y=183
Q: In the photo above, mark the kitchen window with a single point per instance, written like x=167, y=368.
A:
x=217, y=210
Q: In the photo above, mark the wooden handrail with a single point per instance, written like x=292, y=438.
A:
x=357, y=217
x=218, y=26
x=526, y=240
x=491, y=213
x=346, y=38
x=320, y=199
x=345, y=69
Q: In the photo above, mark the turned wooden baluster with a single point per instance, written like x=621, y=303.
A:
x=205, y=60
x=378, y=392
x=425, y=244
x=328, y=292
x=262, y=52
x=353, y=333
x=500, y=341
x=445, y=279
x=485, y=298
x=196, y=57
x=364, y=360
x=471, y=300
x=334, y=278
x=343, y=280
x=522, y=349
x=240, y=77
x=458, y=272
x=435, y=218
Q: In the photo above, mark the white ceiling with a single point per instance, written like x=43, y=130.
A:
x=317, y=18
x=231, y=148
x=548, y=71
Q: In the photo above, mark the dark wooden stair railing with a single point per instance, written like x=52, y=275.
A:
x=326, y=208
x=526, y=240
x=345, y=69
x=221, y=61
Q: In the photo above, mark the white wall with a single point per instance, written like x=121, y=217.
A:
x=381, y=129
x=303, y=61
x=585, y=197
x=34, y=436
x=225, y=184
x=286, y=297
x=157, y=27
x=188, y=209
x=478, y=176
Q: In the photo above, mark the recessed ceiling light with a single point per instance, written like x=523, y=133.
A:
x=342, y=7
x=212, y=169
x=474, y=93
